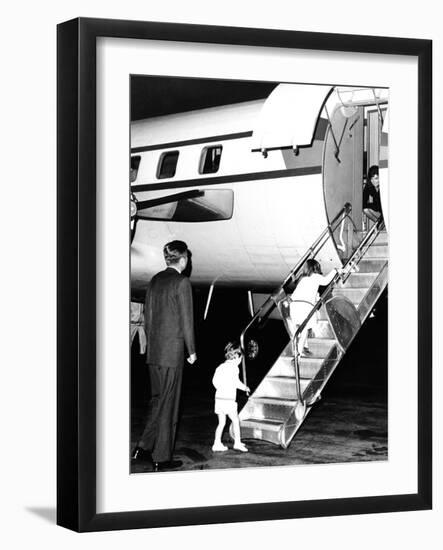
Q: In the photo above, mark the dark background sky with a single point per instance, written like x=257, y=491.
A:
x=155, y=96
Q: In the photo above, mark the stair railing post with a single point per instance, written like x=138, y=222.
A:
x=295, y=353
x=243, y=359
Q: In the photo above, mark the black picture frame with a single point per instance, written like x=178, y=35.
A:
x=76, y=279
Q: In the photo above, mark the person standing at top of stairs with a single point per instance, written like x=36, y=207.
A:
x=304, y=298
x=371, y=195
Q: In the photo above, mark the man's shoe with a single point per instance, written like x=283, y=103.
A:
x=167, y=465
x=141, y=455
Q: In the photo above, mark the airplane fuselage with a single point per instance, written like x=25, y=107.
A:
x=257, y=207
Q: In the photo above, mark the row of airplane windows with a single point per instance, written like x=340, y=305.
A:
x=167, y=165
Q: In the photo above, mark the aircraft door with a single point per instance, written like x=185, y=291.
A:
x=343, y=162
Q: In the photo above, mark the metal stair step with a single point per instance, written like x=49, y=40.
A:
x=283, y=387
x=373, y=294
x=322, y=315
x=258, y=428
x=377, y=251
x=310, y=366
x=322, y=330
x=320, y=347
x=262, y=424
x=269, y=408
x=359, y=280
x=370, y=265
x=381, y=238
x=283, y=366
x=356, y=295
x=275, y=400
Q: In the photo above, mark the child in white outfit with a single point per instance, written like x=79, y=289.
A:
x=303, y=299
x=226, y=381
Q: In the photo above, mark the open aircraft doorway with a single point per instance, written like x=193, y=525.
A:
x=262, y=181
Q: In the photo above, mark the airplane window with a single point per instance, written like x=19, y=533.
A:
x=167, y=165
x=191, y=206
x=135, y=163
x=210, y=159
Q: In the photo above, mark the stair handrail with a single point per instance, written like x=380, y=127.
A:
x=361, y=249
x=343, y=275
x=273, y=300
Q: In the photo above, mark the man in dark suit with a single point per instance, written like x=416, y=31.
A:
x=169, y=329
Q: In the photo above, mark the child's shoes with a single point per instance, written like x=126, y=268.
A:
x=218, y=446
x=240, y=447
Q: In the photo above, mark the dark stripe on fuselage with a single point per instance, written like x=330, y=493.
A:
x=273, y=174
x=320, y=132
x=197, y=141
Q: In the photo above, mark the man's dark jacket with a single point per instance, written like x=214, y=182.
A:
x=169, y=321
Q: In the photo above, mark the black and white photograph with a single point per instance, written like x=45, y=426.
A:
x=259, y=267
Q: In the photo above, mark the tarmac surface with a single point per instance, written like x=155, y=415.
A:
x=337, y=430
x=349, y=423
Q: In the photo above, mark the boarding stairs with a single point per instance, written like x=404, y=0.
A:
x=280, y=403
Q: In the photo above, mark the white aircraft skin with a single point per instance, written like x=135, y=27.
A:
x=279, y=197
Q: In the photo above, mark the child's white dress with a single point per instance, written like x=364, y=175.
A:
x=305, y=296
x=226, y=382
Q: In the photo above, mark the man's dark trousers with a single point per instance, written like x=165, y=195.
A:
x=162, y=416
